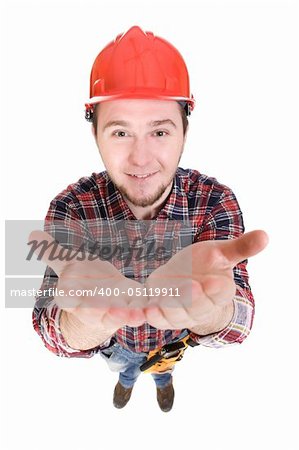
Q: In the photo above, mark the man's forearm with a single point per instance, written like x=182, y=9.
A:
x=216, y=322
x=79, y=336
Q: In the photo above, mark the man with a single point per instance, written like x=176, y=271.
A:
x=139, y=103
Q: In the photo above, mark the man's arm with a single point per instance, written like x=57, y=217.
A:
x=80, y=336
x=215, y=301
x=91, y=320
x=238, y=328
x=217, y=322
x=46, y=322
x=46, y=318
x=226, y=222
x=62, y=219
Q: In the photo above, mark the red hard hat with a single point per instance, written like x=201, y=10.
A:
x=138, y=64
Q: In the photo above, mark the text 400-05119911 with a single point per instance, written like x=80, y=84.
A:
x=138, y=292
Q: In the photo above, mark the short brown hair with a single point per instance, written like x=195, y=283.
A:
x=182, y=109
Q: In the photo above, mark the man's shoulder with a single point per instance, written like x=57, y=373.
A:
x=194, y=183
x=83, y=188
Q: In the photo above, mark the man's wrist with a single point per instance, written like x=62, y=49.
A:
x=80, y=336
x=218, y=321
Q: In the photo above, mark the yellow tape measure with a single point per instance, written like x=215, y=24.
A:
x=163, y=360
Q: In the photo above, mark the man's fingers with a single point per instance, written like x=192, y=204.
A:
x=247, y=245
x=48, y=250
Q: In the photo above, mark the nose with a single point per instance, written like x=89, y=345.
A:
x=140, y=153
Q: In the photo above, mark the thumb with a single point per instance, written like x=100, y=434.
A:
x=247, y=245
x=48, y=250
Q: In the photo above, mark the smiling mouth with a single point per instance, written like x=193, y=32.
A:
x=141, y=176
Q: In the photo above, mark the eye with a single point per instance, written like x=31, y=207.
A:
x=119, y=133
x=160, y=133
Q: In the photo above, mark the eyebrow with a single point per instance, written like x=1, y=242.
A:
x=153, y=123
x=156, y=123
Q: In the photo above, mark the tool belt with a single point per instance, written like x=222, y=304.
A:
x=163, y=360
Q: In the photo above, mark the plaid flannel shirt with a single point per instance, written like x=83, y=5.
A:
x=214, y=213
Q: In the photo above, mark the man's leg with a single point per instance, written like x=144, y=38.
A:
x=165, y=390
x=123, y=389
x=117, y=360
x=129, y=376
x=162, y=379
x=127, y=364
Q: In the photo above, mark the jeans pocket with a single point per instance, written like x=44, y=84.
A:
x=114, y=358
x=106, y=353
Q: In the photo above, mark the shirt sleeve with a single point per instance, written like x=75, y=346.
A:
x=225, y=221
x=46, y=313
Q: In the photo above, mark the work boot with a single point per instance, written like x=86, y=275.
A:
x=121, y=395
x=165, y=397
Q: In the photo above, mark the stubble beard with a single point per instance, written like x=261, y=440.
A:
x=145, y=201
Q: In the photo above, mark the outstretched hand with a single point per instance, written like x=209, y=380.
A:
x=82, y=285
x=203, y=275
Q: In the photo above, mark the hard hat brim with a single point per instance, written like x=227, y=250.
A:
x=106, y=98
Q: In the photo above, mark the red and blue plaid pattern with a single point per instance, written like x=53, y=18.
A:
x=214, y=213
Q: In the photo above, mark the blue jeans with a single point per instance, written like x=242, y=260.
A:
x=127, y=363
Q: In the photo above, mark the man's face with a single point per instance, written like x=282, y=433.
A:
x=141, y=142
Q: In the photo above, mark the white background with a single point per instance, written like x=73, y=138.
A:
x=243, y=62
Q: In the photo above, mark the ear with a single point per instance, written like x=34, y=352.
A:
x=186, y=132
x=94, y=135
x=93, y=131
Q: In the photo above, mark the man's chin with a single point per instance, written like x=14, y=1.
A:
x=145, y=200
x=142, y=202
